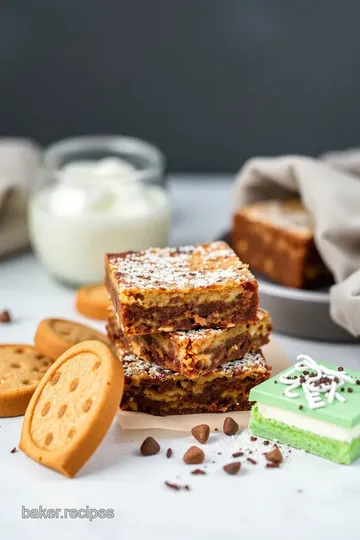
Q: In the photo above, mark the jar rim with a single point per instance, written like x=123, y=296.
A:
x=56, y=153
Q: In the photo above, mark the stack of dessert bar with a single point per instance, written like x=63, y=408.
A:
x=186, y=324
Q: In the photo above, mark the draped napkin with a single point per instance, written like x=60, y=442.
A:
x=19, y=162
x=330, y=191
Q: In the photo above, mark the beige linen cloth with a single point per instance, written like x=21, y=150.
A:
x=332, y=196
x=19, y=162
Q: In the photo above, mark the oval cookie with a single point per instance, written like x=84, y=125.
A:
x=93, y=301
x=21, y=369
x=55, y=336
x=73, y=407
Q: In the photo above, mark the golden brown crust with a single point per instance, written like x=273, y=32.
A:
x=55, y=336
x=92, y=301
x=73, y=407
x=277, y=239
x=163, y=290
x=21, y=369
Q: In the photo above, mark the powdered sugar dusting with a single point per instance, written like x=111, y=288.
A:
x=133, y=364
x=288, y=214
x=211, y=333
x=188, y=267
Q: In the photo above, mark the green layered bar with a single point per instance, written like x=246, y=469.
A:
x=325, y=425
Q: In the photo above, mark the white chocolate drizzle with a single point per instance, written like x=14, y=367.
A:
x=320, y=385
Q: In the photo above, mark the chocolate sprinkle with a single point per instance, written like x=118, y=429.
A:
x=13, y=450
x=350, y=390
x=266, y=443
x=342, y=389
x=272, y=465
x=357, y=382
x=169, y=453
x=238, y=454
x=275, y=382
x=252, y=461
x=300, y=407
x=340, y=368
x=253, y=439
x=198, y=471
x=177, y=487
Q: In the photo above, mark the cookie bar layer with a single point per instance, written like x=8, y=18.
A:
x=195, y=352
x=337, y=450
x=154, y=390
x=163, y=290
x=277, y=239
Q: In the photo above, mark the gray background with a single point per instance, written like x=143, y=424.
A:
x=212, y=82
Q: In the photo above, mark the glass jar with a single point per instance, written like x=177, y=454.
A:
x=95, y=195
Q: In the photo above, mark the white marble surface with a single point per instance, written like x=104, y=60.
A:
x=308, y=497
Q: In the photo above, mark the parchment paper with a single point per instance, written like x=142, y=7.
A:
x=275, y=357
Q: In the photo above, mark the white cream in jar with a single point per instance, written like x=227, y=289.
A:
x=95, y=207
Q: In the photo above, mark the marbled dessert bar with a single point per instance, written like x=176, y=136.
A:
x=311, y=406
x=193, y=353
x=277, y=238
x=152, y=389
x=162, y=290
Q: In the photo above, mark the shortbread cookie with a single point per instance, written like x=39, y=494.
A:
x=55, y=336
x=92, y=301
x=73, y=407
x=21, y=369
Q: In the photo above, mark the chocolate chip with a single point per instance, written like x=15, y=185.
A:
x=272, y=465
x=306, y=372
x=219, y=453
x=177, y=487
x=275, y=382
x=238, y=454
x=13, y=450
x=230, y=427
x=232, y=468
x=340, y=368
x=266, y=443
x=357, y=382
x=169, y=453
x=302, y=379
x=253, y=439
x=275, y=456
x=149, y=447
x=5, y=317
x=350, y=390
x=198, y=471
x=300, y=407
x=201, y=433
x=194, y=456
x=252, y=461
x=342, y=389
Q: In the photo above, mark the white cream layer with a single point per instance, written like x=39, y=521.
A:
x=300, y=421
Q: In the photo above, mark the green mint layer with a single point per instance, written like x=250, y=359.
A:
x=345, y=415
x=339, y=451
